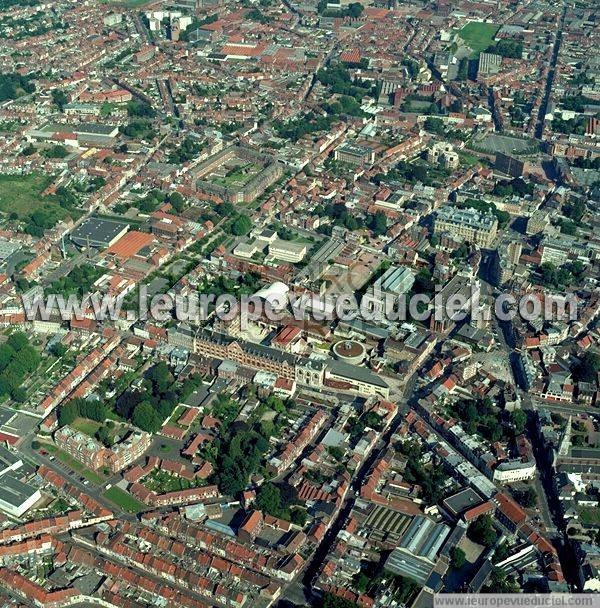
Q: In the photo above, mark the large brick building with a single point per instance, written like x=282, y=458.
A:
x=94, y=455
x=306, y=371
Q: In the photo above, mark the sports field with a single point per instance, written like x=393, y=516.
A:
x=478, y=35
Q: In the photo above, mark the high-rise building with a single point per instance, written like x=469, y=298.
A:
x=538, y=222
x=504, y=261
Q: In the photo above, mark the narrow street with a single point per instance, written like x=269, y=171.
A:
x=313, y=566
x=549, y=502
x=539, y=129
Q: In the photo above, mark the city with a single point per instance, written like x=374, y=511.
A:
x=305, y=169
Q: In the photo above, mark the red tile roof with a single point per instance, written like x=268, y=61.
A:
x=130, y=244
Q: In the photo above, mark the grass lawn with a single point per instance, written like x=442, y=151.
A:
x=124, y=500
x=478, y=35
x=239, y=177
x=177, y=413
x=92, y=477
x=467, y=159
x=162, y=482
x=589, y=515
x=302, y=239
x=21, y=193
x=89, y=427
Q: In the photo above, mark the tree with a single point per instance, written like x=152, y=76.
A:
x=56, y=151
x=92, y=409
x=519, y=420
x=160, y=377
x=104, y=435
x=35, y=445
x=242, y=225
x=225, y=209
x=551, y=276
x=412, y=66
x=59, y=98
x=58, y=349
x=7, y=352
x=527, y=497
x=507, y=48
x=17, y=341
x=588, y=367
x=330, y=600
x=336, y=452
x=501, y=552
x=567, y=227
x=140, y=109
x=126, y=403
x=457, y=558
x=575, y=210
x=14, y=85
x=257, y=15
x=269, y=500
x=298, y=516
x=340, y=81
x=576, y=268
x=19, y=395
x=67, y=413
x=138, y=129
x=482, y=531
x=434, y=125
x=355, y=10
x=500, y=582
x=146, y=418
x=177, y=201
x=78, y=281
x=225, y=410
x=28, y=150
x=403, y=588
x=378, y=223
x=361, y=582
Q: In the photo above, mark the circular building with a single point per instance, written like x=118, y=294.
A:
x=349, y=351
x=275, y=294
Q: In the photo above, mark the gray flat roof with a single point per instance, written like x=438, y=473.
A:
x=8, y=458
x=366, y=328
x=7, y=248
x=398, y=279
x=98, y=232
x=402, y=563
x=465, y=499
x=15, y=492
x=89, y=128
x=357, y=373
